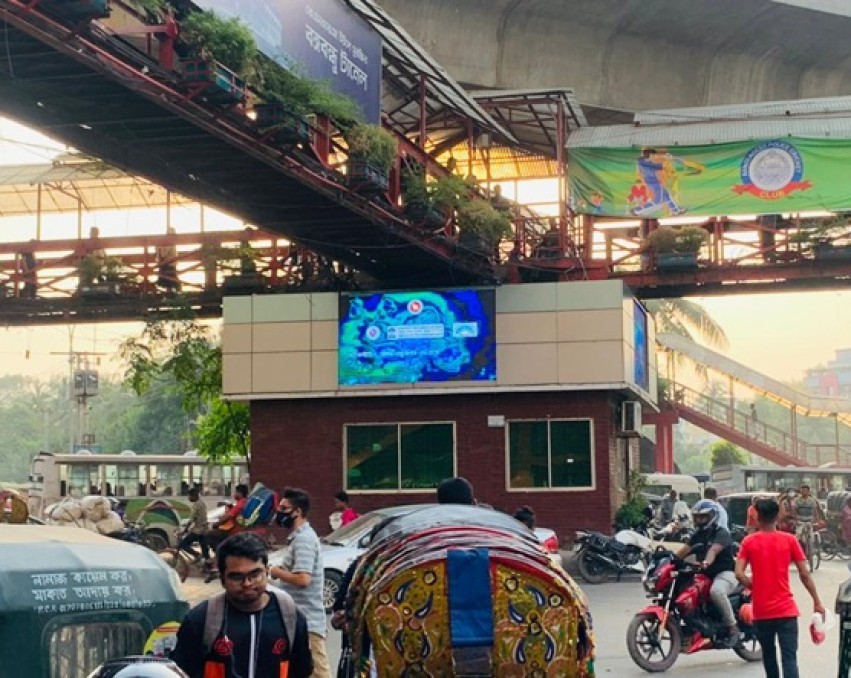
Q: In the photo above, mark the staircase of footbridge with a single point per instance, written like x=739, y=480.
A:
x=732, y=419
x=122, y=97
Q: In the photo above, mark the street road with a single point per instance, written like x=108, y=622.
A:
x=613, y=605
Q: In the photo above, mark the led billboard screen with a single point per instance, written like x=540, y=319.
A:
x=412, y=337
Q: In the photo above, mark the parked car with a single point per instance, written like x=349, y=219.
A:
x=346, y=543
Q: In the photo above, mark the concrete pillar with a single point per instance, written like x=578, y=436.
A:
x=664, y=446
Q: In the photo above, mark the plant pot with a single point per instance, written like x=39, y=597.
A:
x=366, y=178
x=219, y=84
x=243, y=284
x=281, y=124
x=425, y=216
x=77, y=10
x=475, y=242
x=676, y=261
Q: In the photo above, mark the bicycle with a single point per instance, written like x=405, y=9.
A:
x=183, y=560
x=810, y=541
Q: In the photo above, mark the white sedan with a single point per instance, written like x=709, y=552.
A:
x=346, y=543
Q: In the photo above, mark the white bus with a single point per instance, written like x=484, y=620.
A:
x=129, y=476
x=662, y=483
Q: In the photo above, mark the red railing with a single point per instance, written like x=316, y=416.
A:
x=758, y=435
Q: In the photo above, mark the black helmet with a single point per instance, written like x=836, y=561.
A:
x=138, y=667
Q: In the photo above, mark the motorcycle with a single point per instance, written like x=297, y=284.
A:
x=599, y=556
x=675, y=530
x=682, y=617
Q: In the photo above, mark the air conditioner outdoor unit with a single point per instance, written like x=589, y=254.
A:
x=630, y=416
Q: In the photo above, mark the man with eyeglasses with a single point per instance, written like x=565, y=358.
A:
x=251, y=630
x=301, y=573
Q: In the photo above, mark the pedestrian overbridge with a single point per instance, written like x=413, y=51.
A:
x=757, y=382
x=734, y=419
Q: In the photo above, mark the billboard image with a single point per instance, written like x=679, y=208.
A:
x=642, y=356
x=411, y=337
x=320, y=39
x=792, y=174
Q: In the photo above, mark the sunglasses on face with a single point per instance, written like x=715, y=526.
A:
x=253, y=577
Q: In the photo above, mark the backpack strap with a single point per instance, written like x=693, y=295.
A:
x=288, y=610
x=215, y=616
x=213, y=621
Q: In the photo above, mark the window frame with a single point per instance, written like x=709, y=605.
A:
x=398, y=425
x=549, y=420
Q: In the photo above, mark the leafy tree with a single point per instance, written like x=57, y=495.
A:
x=631, y=513
x=687, y=319
x=184, y=352
x=724, y=453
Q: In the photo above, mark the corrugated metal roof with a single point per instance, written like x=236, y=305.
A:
x=81, y=184
x=696, y=134
x=532, y=115
x=502, y=163
x=764, y=109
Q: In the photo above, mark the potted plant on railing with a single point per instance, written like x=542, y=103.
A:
x=431, y=203
x=223, y=52
x=151, y=10
x=285, y=123
x=676, y=249
x=372, y=150
x=480, y=226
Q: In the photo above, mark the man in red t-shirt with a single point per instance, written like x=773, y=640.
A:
x=769, y=553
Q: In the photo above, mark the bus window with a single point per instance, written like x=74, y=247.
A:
x=214, y=481
x=82, y=479
x=121, y=480
x=169, y=479
x=128, y=481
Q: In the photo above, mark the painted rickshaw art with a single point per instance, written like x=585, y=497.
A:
x=461, y=590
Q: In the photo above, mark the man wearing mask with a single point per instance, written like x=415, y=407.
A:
x=301, y=573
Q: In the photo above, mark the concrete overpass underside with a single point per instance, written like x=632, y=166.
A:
x=640, y=54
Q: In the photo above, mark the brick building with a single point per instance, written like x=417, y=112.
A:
x=544, y=428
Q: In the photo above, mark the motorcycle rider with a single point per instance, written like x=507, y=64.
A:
x=712, y=546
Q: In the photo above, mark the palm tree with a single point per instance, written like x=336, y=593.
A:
x=691, y=320
x=687, y=318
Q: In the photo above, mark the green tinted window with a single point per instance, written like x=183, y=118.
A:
x=372, y=457
x=554, y=454
x=427, y=453
x=399, y=456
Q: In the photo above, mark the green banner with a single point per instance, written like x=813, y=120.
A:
x=744, y=177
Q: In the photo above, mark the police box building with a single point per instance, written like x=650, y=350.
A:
x=532, y=392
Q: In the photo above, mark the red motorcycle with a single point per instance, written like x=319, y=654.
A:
x=682, y=618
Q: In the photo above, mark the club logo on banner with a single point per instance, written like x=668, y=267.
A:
x=772, y=170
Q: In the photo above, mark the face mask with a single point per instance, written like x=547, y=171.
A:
x=286, y=519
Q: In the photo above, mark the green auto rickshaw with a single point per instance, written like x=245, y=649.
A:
x=71, y=599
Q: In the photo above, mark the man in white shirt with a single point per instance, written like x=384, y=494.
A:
x=723, y=519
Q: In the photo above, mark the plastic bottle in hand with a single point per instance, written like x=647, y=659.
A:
x=817, y=628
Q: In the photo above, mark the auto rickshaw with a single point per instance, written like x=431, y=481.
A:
x=71, y=599
x=464, y=591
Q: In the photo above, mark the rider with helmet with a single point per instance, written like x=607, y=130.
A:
x=712, y=546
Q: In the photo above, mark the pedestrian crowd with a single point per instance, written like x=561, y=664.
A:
x=269, y=621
